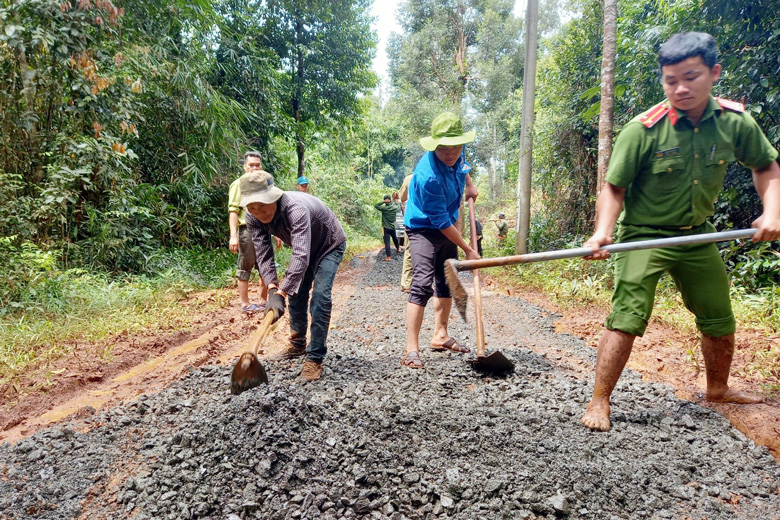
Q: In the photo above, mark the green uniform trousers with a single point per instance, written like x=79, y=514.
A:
x=697, y=271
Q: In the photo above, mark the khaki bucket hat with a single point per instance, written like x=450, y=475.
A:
x=258, y=187
x=447, y=130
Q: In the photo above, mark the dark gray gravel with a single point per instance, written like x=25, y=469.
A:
x=374, y=439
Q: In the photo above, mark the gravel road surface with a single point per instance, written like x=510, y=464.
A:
x=373, y=439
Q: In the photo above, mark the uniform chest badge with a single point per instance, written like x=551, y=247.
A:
x=670, y=152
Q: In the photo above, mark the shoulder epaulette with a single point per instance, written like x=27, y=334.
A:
x=655, y=114
x=728, y=104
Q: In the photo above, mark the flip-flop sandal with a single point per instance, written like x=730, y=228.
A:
x=252, y=307
x=412, y=360
x=452, y=345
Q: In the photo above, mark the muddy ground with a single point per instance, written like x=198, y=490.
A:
x=155, y=433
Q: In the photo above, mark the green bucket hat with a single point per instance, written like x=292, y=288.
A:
x=446, y=129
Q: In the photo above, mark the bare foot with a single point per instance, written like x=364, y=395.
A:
x=735, y=396
x=597, y=416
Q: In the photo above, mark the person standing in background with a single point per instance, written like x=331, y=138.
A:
x=406, y=270
x=478, y=225
x=303, y=184
x=388, y=208
x=241, y=240
x=503, y=229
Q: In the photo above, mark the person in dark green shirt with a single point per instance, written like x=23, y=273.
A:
x=389, y=210
x=503, y=228
x=666, y=170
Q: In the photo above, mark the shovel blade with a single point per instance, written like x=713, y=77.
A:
x=495, y=363
x=248, y=373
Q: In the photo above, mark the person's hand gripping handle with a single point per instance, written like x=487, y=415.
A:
x=276, y=303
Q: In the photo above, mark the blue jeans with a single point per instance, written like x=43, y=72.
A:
x=319, y=280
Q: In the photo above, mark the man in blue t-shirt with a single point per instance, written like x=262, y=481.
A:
x=435, y=193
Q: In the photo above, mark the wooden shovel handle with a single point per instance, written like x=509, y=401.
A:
x=262, y=331
x=477, y=286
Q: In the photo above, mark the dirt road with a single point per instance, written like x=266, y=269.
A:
x=157, y=435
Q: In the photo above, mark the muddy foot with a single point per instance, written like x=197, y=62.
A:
x=735, y=396
x=597, y=417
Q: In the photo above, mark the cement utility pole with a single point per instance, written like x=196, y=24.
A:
x=523, y=224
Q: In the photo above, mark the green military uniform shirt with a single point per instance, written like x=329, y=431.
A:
x=234, y=201
x=388, y=213
x=674, y=171
x=503, y=227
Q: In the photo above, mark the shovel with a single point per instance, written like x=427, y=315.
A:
x=496, y=362
x=249, y=372
x=460, y=297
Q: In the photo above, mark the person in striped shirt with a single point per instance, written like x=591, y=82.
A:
x=318, y=241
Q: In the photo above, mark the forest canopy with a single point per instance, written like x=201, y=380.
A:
x=124, y=122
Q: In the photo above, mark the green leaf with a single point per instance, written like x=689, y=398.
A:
x=590, y=92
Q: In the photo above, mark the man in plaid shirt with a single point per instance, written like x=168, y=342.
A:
x=318, y=242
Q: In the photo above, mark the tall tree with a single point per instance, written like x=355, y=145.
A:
x=325, y=48
x=607, y=90
x=430, y=67
x=498, y=64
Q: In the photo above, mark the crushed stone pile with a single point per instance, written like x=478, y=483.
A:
x=373, y=439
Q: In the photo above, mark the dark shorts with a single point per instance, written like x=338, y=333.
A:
x=697, y=271
x=429, y=249
x=247, y=260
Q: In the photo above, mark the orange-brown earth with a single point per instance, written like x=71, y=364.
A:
x=79, y=384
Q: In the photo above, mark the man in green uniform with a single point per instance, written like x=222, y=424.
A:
x=503, y=228
x=388, y=210
x=665, y=173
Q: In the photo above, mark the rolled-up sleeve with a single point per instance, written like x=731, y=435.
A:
x=234, y=198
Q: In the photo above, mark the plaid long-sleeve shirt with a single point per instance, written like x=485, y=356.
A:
x=303, y=222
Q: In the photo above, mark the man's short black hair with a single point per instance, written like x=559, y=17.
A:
x=688, y=45
x=387, y=197
x=253, y=153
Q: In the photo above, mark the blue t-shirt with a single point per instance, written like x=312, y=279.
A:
x=435, y=193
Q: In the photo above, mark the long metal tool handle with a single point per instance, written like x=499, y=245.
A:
x=477, y=286
x=722, y=236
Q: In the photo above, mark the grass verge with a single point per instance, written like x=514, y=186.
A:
x=64, y=309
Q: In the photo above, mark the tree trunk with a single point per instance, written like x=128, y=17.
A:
x=607, y=91
x=36, y=171
x=301, y=148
